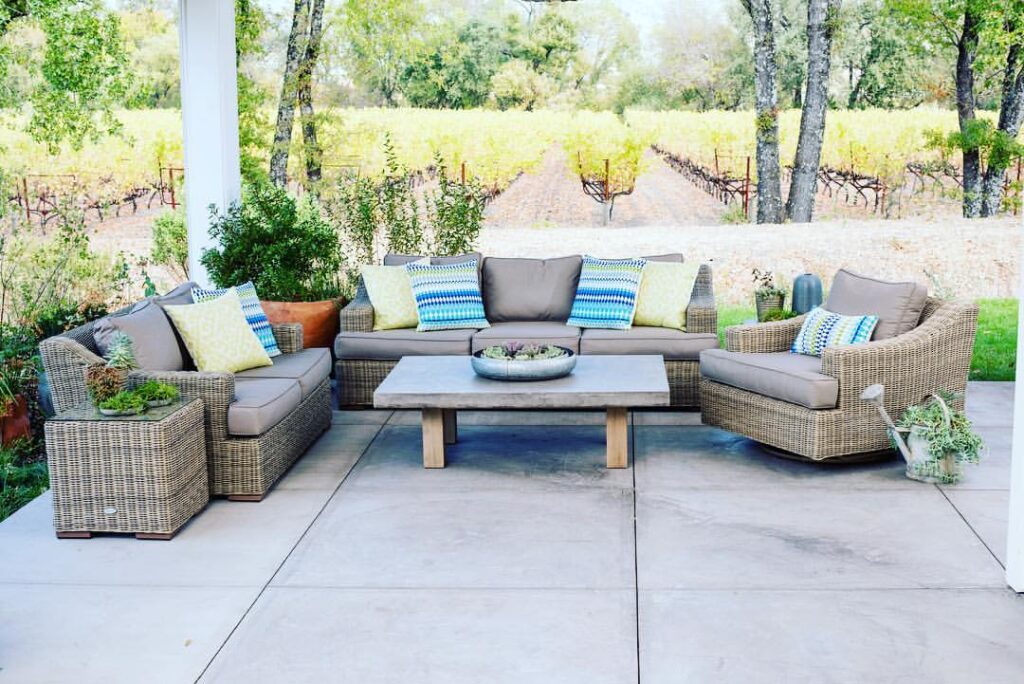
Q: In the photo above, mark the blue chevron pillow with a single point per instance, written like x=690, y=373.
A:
x=447, y=295
x=606, y=294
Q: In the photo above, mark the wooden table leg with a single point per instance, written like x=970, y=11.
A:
x=433, y=438
x=617, y=429
x=451, y=426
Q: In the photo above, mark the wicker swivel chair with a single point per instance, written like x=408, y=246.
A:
x=817, y=413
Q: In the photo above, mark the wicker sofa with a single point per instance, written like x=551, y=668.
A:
x=525, y=300
x=811, y=408
x=258, y=422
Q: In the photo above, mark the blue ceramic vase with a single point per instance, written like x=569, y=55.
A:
x=806, y=293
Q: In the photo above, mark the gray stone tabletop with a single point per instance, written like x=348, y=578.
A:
x=448, y=382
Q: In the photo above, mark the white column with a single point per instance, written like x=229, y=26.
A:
x=209, y=112
x=1015, y=540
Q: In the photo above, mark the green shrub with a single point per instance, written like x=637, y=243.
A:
x=456, y=212
x=170, y=242
x=23, y=476
x=282, y=245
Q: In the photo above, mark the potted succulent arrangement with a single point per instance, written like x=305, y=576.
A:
x=16, y=378
x=157, y=394
x=519, y=361
x=288, y=251
x=126, y=403
x=768, y=296
x=105, y=380
x=939, y=440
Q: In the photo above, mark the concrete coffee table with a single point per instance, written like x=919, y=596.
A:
x=441, y=385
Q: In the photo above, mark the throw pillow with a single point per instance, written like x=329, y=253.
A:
x=447, y=296
x=254, y=314
x=822, y=329
x=151, y=333
x=664, y=294
x=217, y=335
x=606, y=294
x=390, y=293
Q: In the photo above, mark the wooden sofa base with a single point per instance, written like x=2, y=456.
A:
x=357, y=379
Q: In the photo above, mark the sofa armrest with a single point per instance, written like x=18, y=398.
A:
x=357, y=315
x=217, y=390
x=933, y=357
x=701, y=314
x=288, y=336
x=774, y=336
x=65, y=361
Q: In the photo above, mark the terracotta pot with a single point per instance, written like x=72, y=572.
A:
x=15, y=424
x=320, y=323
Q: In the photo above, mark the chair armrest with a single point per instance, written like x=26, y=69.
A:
x=288, y=336
x=774, y=336
x=935, y=356
x=701, y=314
x=65, y=361
x=357, y=315
x=217, y=390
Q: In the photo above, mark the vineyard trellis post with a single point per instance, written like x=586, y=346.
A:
x=746, y=191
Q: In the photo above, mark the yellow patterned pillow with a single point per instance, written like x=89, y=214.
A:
x=217, y=335
x=390, y=293
x=664, y=294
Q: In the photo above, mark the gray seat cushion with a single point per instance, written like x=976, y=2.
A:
x=391, y=345
x=309, y=368
x=153, y=337
x=260, y=404
x=530, y=289
x=674, y=345
x=529, y=332
x=795, y=378
x=897, y=305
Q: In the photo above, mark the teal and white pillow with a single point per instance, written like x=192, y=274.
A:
x=822, y=329
x=607, y=292
x=447, y=296
x=254, y=314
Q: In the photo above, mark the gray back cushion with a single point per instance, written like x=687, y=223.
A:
x=153, y=337
x=530, y=289
x=897, y=305
x=402, y=259
x=182, y=294
x=670, y=258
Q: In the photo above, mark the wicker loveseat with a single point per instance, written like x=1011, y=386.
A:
x=526, y=300
x=812, y=408
x=258, y=422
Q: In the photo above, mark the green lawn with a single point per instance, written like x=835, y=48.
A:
x=995, y=348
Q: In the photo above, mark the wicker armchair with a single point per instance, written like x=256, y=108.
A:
x=358, y=378
x=241, y=468
x=934, y=356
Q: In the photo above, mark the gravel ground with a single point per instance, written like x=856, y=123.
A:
x=964, y=258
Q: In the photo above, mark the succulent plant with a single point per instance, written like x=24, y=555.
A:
x=121, y=354
x=103, y=382
x=126, y=402
x=157, y=391
x=519, y=351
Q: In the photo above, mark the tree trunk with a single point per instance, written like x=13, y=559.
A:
x=967, y=50
x=311, y=146
x=821, y=16
x=1011, y=115
x=289, y=93
x=769, y=190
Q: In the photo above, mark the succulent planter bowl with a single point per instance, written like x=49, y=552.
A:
x=524, y=371
x=111, y=413
x=157, y=403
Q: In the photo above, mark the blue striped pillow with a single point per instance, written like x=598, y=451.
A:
x=606, y=294
x=254, y=314
x=822, y=329
x=447, y=296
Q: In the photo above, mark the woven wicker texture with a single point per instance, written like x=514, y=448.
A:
x=128, y=476
x=933, y=357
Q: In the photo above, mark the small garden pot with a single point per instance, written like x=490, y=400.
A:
x=15, y=423
x=157, y=403
x=320, y=321
x=766, y=304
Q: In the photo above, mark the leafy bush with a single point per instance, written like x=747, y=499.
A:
x=283, y=245
x=170, y=242
x=456, y=212
x=23, y=476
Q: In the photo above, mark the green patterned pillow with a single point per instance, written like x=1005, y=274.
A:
x=217, y=335
x=390, y=292
x=664, y=294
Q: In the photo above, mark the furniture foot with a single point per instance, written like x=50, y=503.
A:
x=161, y=536
x=433, y=438
x=617, y=437
x=74, y=535
x=245, y=497
x=451, y=426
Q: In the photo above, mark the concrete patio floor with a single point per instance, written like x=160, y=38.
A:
x=527, y=561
